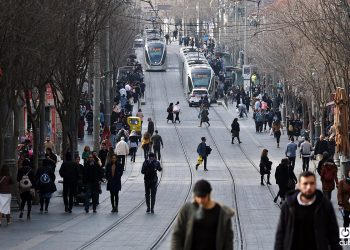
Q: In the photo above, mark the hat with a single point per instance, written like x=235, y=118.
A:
x=202, y=188
x=122, y=138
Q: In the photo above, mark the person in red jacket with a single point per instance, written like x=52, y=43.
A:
x=329, y=178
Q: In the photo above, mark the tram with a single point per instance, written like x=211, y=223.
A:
x=197, y=75
x=155, y=54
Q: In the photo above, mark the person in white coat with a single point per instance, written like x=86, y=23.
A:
x=122, y=150
x=176, y=111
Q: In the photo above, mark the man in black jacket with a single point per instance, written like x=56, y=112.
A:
x=92, y=179
x=150, y=127
x=321, y=146
x=149, y=170
x=70, y=174
x=307, y=219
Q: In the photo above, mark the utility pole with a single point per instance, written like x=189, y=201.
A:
x=97, y=97
x=108, y=79
x=245, y=34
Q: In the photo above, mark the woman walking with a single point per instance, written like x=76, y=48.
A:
x=145, y=144
x=170, y=116
x=114, y=172
x=265, y=167
x=25, y=179
x=344, y=197
x=235, y=130
x=134, y=143
x=5, y=193
x=45, y=177
x=276, y=129
x=204, y=116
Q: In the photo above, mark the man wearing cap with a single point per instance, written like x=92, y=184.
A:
x=157, y=141
x=203, y=223
x=149, y=170
x=122, y=150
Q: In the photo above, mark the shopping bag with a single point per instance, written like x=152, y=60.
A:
x=199, y=160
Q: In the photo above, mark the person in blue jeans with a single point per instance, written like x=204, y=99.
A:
x=291, y=152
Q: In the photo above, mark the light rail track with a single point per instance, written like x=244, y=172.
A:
x=159, y=240
x=245, y=153
x=241, y=243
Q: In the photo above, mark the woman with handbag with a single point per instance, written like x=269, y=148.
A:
x=265, y=167
x=5, y=193
x=45, y=184
x=25, y=179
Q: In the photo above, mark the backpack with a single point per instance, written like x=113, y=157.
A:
x=290, y=128
x=44, y=179
x=25, y=184
x=328, y=174
x=208, y=150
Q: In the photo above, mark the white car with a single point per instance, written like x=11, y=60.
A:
x=195, y=96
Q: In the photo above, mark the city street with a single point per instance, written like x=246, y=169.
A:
x=132, y=228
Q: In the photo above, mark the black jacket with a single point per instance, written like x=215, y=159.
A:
x=154, y=165
x=321, y=146
x=45, y=180
x=92, y=173
x=283, y=174
x=69, y=172
x=265, y=165
x=150, y=128
x=325, y=224
x=114, y=183
x=235, y=126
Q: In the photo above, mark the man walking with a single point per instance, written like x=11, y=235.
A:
x=149, y=170
x=70, y=174
x=291, y=152
x=150, y=127
x=203, y=223
x=176, y=111
x=157, y=141
x=202, y=152
x=307, y=219
x=305, y=151
x=321, y=146
x=122, y=150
